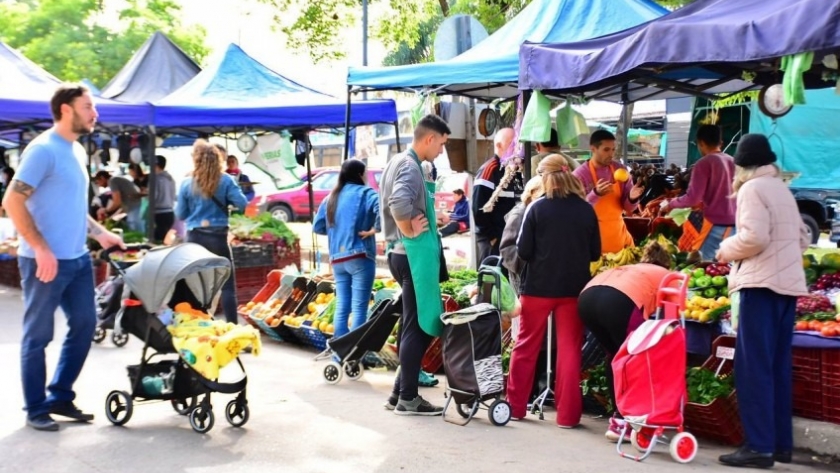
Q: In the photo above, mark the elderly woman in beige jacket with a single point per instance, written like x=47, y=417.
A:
x=767, y=276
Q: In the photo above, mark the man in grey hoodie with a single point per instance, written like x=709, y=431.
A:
x=164, y=200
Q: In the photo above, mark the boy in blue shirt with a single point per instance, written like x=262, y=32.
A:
x=48, y=204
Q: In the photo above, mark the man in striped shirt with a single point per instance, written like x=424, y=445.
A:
x=490, y=225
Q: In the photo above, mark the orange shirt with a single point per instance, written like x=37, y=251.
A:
x=639, y=282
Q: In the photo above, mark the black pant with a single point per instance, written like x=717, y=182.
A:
x=163, y=223
x=485, y=248
x=606, y=312
x=216, y=243
x=413, y=341
x=450, y=228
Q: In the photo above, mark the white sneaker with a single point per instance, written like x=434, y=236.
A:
x=614, y=430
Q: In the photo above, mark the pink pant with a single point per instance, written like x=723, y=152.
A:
x=569, y=342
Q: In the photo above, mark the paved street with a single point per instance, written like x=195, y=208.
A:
x=298, y=424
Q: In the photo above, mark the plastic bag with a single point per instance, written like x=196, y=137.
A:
x=536, y=121
x=570, y=125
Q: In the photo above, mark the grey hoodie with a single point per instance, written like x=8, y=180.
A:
x=164, y=193
x=403, y=197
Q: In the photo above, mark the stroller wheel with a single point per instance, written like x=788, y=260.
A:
x=499, y=413
x=332, y=373
x=118, y=407
x=640, y=440
x=184, y=406
x=202, y=419
x=683, y=447
x=237, y=413
x=119, y=340
x=354, y=370
x=98, y=335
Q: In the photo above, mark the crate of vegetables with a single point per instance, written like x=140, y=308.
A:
x=712, y=410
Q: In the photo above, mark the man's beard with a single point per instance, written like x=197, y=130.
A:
x=79, y=126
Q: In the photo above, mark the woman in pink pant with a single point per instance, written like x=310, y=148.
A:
x=558, y=240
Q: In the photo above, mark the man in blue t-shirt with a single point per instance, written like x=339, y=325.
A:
x=48, y=204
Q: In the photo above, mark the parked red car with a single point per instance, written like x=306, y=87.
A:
x=292, y=204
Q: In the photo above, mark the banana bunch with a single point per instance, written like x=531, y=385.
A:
x=613, y=260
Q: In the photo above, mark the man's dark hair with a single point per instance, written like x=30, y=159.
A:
x=600, y=136
x=160, y=161
x=459, y=192
x=710, y=135
x=553, y=140
x=221, y=149
x=429, y=124
x=102, y=175
x=65, y=94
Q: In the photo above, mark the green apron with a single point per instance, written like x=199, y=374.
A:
x=423, y=254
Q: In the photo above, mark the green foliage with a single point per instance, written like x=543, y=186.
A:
x=704, y=387
x=70, y=39
x=595, y=384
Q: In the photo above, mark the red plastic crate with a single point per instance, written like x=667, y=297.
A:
x=807, y=383
x=249, y=281
x=719, y=419
x=433, y=359
x=831, y=385
x=272, y=283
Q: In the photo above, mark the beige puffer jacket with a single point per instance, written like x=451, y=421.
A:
x=767, y=248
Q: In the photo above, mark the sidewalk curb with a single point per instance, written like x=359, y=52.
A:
x=821, y=438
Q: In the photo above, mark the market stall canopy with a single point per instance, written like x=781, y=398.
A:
x=490, y=70
x=705, y=48
x=26, y=90
x=157, y=69
x=237, y=91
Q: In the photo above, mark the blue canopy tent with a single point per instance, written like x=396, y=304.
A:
x=708, y=47
x=25, y=92
x=237, y=92
x=490, y=70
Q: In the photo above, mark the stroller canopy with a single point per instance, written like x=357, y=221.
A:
x=153, y=279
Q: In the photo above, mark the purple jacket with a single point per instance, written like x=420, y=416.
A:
x=711, y=185
x=585, y=176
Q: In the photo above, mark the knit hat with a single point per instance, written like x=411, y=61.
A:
x=754, y=150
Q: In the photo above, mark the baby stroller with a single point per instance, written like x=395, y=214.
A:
x=472, y=355
x=109, y=294
x=650, y=386
x=183, y=273
x=349, y=350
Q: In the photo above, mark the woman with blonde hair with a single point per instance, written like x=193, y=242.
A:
x=558, y=240
x=205, y=201
x=513, y=222
x=766, y=278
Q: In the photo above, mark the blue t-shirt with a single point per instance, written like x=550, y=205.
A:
x=56, y=168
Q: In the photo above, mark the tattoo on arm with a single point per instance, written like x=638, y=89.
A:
x=94, y=228
x=22, y=188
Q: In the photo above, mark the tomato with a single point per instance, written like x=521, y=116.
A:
x=815, y=325
x=828, y=332
x=801, y=326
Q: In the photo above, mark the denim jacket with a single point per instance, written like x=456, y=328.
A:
x=357, y=210
x=194, y=208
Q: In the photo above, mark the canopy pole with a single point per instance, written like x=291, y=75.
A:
x=625, y=122
x=397, y=135
x=526, y=159
x=312, y=254
x=347, y=127
x=150, y=208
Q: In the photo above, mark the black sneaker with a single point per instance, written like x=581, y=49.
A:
x=417, y=407
x=69, y=410
x=391, y=403
x=42, y=422
x=745, y=457
x=783, y=457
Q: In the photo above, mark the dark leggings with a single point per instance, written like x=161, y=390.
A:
x=606, y=312
x=217, y=244
x=163, y=223
x=413, y=341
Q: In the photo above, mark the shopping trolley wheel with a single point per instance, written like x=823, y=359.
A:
x=202, y=419
x=99, y=335
x=332, y=373
x=119, y=339
x=237, y=413
x=354, y=370
x=683, y=447
x=499, y=412
x=640, y=440
x=463, y=410
x=118, y=407
x=184, y=406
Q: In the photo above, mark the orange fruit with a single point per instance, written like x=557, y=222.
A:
x=621, y=175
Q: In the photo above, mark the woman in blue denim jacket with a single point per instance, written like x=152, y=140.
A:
x=350, y=218
x=203, y=202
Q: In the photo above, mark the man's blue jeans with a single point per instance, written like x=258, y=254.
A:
x=72, y=290
x=353, y=286
x=713, y=240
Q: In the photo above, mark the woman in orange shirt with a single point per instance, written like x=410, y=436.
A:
x=616, y=302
